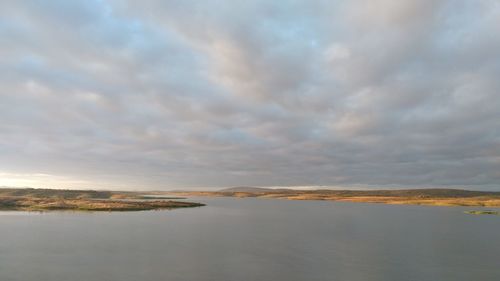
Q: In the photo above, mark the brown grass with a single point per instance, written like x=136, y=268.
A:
x=46, y=204
x=431, y=197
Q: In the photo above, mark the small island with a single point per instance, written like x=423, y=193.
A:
x=482, y=212
x=29, y=199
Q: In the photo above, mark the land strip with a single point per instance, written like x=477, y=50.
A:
x=433, y=197
x=12, y=199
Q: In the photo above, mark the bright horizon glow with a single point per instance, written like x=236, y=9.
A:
x=8, y=180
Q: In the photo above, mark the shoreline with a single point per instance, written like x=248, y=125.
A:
x=44, y=204
x=445, y=198
x=42, y=200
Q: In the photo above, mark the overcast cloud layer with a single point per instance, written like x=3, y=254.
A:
x=179, y=94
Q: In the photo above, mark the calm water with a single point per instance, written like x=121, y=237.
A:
x=252, y=239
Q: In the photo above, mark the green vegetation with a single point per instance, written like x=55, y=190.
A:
x=84, y=200
x=482, y=212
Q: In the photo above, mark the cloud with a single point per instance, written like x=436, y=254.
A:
x=167, y=94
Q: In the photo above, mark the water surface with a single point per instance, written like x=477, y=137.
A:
x=252, y=239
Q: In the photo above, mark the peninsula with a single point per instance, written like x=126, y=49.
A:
x=29, y=199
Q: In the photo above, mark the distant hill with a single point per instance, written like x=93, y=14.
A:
x=249, y=189
x=54, y=193
x=423, y=193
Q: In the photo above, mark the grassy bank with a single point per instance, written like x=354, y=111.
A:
x=83, y=200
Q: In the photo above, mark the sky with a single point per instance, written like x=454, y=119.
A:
x=148, y=94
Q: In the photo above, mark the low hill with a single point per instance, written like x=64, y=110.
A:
x=55, y=193
x=423, y=193
x=251, y=189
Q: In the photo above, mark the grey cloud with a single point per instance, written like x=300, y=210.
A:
x=165, y=94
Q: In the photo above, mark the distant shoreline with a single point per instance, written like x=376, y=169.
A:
x=429, y=197
x=29, y=199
